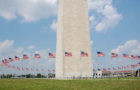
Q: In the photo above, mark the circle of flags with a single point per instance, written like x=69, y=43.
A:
x=5, y=62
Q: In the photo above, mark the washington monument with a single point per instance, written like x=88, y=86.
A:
x=73, y=53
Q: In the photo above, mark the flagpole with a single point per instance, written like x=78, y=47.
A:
x=25, y=68
x=96, y=60
x=132, y=70
x=47, y=63
x=22, y=65
x=80, y=64
x=5, y=70
x=111, y=66
x=1, y=69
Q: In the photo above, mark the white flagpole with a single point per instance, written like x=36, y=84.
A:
x=80, y=64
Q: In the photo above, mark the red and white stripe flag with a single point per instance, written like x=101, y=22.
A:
x=17, y=58
x=100, y=54
x=68, y=54
x=25, y=56
x=51, y=55
x=84, y=54
x=37, y=56
x=114, y=55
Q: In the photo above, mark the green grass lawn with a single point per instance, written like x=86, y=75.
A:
x=45, y=84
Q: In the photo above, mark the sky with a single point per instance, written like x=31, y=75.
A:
x=29, y=26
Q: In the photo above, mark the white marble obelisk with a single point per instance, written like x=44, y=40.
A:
x=73, y=35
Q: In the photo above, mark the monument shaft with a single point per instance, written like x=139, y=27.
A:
x=73, y=35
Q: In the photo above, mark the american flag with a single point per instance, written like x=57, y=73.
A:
x=2, y=61
x=68, y=54
x=53, y=70
x=119, y=67
x=126, y=56
x=138, y=57
x=17, y=58
x=104, y=69
x=37, y=70
x=42, y=70
x=10, y=60
x=5, y=61
x=13, y=67
x=100, y=54
x=22, y=68
x=27, y=68
x=124, y=67
x=18, y=68
x=25, y=56
x=84, y=54
x=132, y=66
x=9, y=66
x=127, y=66
x=114, y=55
x=133, y=57
x=109, y=68
x=32, y=69
x=49, y=70
x=137, y=64
x=114, y=68
x=36, y=55
x=51, y=55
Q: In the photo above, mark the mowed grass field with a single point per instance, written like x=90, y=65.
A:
x=46, y=84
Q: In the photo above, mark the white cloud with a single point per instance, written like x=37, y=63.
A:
x=6, y=45
x=106, y=12
x=44, y=61
x=31, y=47
x=136, y=51
x=19, y=50
x=29, y=10
x=54, y=25
x=131, y=46
x=34, y=10
x=6, y=49
x=92, y=18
